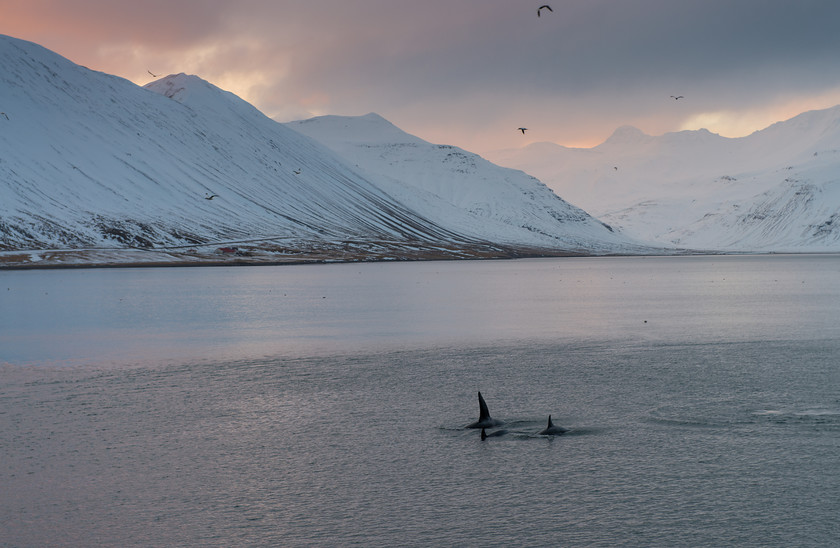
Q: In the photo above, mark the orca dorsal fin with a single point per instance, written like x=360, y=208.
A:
x=483, y=434
x=483, y=412
x=550, y=425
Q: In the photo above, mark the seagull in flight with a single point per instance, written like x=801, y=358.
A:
x=210, y=197
x=677, y=97
x=544, y=6
x=522, y=129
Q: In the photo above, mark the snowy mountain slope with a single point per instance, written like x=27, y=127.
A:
x=801, y=213
x=453, y=186
x=92, y=160
x=774, y=190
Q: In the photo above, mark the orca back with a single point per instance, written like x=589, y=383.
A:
x=493, y=434
x=551, y=430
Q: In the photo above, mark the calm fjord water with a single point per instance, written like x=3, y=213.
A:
x=324, y=405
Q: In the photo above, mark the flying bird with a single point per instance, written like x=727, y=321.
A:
x=677, y=97
x=545, y=6
x=210, y=197
x=153, y=74
x=523, y=129
x=297, y=172
x=5, y=115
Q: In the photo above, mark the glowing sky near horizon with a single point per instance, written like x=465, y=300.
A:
x=469, y=72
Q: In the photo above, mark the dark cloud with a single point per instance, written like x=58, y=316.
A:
x=465, y=71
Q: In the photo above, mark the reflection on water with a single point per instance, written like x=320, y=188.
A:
x=171, y=315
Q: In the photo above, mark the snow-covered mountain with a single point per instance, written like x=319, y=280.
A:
x=90, y=160
x=457, y=188
x=775, y=190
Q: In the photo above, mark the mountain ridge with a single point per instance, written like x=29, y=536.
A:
x=92, y=161
x=700, y=190
x=470, y=187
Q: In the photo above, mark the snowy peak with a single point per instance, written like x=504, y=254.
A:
x=626, y=136
x=448, y=184
x=370, y=129
x=202, y=96
x=691, y=137
x=184, y=88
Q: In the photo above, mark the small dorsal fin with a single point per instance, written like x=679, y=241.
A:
x=483, y=412
x=483, y=434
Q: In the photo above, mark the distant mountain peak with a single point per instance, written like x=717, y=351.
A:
x=773, y=190
x=627, y=135
x=367, y=128
x=451, y=185
x=690, y=136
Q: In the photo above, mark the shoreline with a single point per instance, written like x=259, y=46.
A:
x=136, y=258
x=377, y=252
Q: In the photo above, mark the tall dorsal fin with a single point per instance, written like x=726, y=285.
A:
x=550, y=425
x=483, y=412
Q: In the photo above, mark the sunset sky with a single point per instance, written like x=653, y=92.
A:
x=470, y=72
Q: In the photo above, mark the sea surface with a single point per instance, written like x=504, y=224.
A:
x=325, y=405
